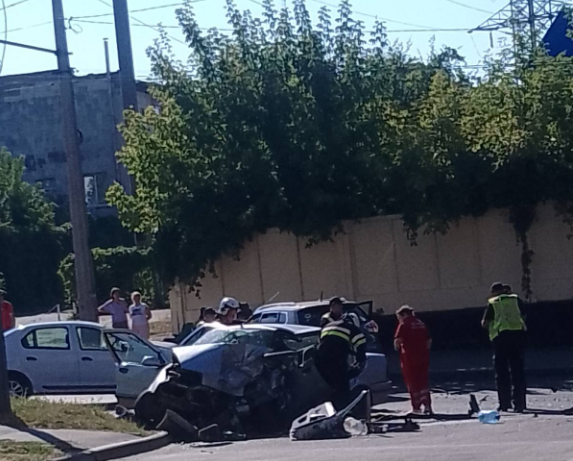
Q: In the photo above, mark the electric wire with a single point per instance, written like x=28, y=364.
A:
x=156, y=29
x=469, y=7
x=5, y=7
x=3, y=57
x=373, y=16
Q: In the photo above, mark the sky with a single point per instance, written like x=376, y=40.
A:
x=29, y=22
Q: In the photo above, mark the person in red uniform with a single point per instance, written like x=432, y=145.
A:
x=7, y=313
x=412, y=341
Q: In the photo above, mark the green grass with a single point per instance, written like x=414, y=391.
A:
x=26, y=451
x=42, y=414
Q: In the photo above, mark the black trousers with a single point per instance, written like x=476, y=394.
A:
x=509, y=349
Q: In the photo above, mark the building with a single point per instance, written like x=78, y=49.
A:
x=373, y=261
x=31, y=126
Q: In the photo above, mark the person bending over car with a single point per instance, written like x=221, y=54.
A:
x=341, y=357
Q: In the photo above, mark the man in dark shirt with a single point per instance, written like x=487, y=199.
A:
x=503, y=319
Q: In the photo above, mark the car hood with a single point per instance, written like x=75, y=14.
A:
x=225, y=367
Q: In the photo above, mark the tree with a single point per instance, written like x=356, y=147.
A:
x=31, y=246
x=287, y=125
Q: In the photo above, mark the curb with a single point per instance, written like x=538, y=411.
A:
x=120, y=450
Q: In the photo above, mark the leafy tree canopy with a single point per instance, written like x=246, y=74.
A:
x=284, y=123
x=31, y=245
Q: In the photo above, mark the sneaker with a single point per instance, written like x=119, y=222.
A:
x=506, y=409
x=428, y=411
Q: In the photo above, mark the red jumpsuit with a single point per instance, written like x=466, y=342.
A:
x=415, y=360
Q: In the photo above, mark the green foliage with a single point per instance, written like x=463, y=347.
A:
x=30, y=244
x=290, y=125
x=126, y=267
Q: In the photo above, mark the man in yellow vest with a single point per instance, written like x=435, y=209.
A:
x=503, y=319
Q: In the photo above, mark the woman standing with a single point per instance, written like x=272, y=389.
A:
x=412, y=341
x=117, y=308
x=140, y=314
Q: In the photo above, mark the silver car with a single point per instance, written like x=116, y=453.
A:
x=58, y=357
x=139, y=361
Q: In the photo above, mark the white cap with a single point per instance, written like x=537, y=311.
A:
x=226, y=304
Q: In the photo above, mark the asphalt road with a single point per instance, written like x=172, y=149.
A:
x=520, y=438
x=537, y=436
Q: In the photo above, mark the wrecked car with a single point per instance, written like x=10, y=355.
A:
x=252, y=379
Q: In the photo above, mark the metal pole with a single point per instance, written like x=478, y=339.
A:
x=5, y=407
x=113, y=120
x=532, y=25
x=125, y=54
x=84, y=271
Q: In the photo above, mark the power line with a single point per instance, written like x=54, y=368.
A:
x=18, y=29
x=469, y=7
x=156, y=29
x=5, y=7
x=5, y=36
x=141, y=10
x=390, y=31
x=373, y=16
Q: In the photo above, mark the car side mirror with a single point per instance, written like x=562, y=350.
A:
x=149, y=361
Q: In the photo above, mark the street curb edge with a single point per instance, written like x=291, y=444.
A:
x=120, y=450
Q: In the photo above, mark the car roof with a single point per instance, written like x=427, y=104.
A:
x=78, y=323
x=295, y=329
x=292, y=306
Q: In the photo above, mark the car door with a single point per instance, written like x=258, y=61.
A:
x=96, y=365
x=49, y=360
x=137, y=362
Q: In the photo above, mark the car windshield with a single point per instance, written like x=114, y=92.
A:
x=275, y=340
x=311, y=316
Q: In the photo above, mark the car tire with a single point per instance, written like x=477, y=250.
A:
x=19, y=385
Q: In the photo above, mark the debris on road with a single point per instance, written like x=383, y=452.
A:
x=324, y=422
x=489, y=417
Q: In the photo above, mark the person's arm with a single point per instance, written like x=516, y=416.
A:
x=148, y=314
x=488, y=316
x=399, y=338
x=103, y=308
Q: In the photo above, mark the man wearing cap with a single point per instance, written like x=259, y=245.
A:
x=227, y=312
x=503, y=319
x=412, y=341
x=336, y=309
x=7, y=313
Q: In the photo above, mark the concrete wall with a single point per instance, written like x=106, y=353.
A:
x=31, y=126
x=373, y=260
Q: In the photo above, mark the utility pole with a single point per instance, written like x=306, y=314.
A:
x=5, y=407
x=126, y=73
x=125, y=54
x=84, y=271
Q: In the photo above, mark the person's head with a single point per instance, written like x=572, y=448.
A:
x=136, y=297
x=336, y=307
x=507, y=289
x=2, y=295
x=115, y=294
x=497, y=289
x=404, y=312
x=209, y=315
x=228, y=309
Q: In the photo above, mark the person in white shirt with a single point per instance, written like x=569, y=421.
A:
x=140, y=314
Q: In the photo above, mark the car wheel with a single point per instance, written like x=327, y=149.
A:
x=19, y=386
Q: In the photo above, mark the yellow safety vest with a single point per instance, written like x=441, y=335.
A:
x=507, y=316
